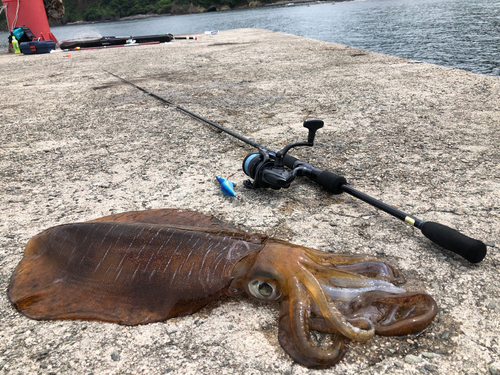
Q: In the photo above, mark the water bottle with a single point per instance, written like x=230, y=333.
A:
x=15, y=45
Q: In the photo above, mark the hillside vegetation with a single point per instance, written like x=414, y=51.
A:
x=98, y=10
x=108, y=10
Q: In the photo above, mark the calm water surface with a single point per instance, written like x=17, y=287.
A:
x=457, y=33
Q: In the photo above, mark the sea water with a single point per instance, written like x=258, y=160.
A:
x=462, y=34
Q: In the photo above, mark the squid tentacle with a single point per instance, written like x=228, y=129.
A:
x=369, y=268
x=358, y=329
x=343, y=284
x=328, y=270
x=403, y=314
x=294, y=332
x=319, y=256
x=376, y=269
x=321, y=325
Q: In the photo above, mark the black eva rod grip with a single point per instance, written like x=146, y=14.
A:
x=289, y=161
x=450, y=239
x=331, y=182
x=328, y=180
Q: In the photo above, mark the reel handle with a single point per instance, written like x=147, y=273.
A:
x=313, y=125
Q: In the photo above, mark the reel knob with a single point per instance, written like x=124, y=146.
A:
x=313, y=125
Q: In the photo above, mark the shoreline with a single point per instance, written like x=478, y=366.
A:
x=255, y=4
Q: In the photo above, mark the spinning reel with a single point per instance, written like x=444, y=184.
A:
x=267, y=168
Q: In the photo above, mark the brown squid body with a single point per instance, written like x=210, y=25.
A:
x=149, y=266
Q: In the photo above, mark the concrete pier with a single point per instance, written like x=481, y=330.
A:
x=77, y=144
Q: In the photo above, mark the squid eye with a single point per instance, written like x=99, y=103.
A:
x=264, y=290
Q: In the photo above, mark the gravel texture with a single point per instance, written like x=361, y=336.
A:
x=77, y=144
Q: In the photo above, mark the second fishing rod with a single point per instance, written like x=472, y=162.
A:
x=267, y=169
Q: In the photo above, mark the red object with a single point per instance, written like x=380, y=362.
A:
x=30, y=13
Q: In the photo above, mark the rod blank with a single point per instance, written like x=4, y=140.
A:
x=450, y=239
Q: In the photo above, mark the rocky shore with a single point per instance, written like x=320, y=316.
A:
x=78, y=144
x=191, y=8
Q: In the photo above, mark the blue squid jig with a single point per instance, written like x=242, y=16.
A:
x=226, y=186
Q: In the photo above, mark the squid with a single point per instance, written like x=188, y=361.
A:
x=148, y=266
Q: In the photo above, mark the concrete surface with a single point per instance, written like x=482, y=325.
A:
x=78, y=144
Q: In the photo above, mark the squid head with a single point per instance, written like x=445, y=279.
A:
x=348, y=296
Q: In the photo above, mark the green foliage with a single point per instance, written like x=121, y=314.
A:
x=97, y=10
x=93, y=13
x=100, y=10
x=163, y=6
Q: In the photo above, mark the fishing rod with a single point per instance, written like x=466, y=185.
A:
x=267, y=169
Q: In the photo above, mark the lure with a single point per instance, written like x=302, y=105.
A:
x=226, y=186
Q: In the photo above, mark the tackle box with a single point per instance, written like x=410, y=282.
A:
x=30, y=48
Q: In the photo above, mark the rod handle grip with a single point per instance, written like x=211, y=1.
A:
x=290, y=161
x=331, y=182
x=471, y=249
x=328, y=180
